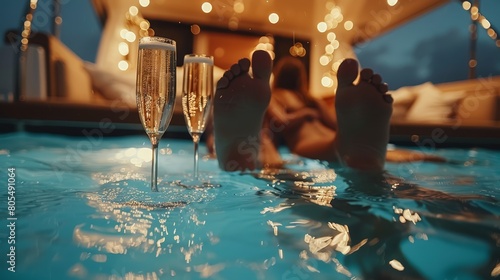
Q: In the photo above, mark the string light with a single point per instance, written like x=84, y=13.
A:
x=480, y=18
x=135, y=28
x=333, y=19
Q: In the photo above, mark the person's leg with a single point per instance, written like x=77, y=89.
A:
x=239, y=106
x=363, y=114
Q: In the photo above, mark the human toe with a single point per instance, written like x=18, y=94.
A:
x=223, y=83
x=347, y=72
x=261, y=65
x=366, y=74
x=244, y=64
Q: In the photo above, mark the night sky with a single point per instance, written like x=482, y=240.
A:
x=432, y=48
x=435, y=47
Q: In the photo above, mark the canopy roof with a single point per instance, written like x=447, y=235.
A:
x=370, y=18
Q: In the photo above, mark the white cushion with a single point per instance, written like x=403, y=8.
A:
x=403, y=99
x=112, y=85
x=432, y=105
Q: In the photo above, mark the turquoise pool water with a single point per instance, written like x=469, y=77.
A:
x=83, y=210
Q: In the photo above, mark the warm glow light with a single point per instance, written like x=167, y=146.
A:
x=274, y=18
x=233, y=23
x=392, y=2
x=472, y=63
x=348, y=25
x=329, y=49
x=466, y=5
x=335, y=44
x=130, y=36
x=195, y=29
x=336, y=12
x=327, y=82
x=324, y=60
x=123, y=33
x=485, y=23
x=123, y=48
x=331, y=36
x=133, y=10
x=474, y=10
x=144, y=25
x=144, y=3
x=206, y=7
x=492, y=33
x=238, y=7
x=123, y=65
x=322, y=26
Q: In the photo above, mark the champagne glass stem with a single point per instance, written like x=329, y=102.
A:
x=154, y=169
x=196, y=141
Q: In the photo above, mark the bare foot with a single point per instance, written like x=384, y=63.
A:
x=363, y=114
x=239, y=106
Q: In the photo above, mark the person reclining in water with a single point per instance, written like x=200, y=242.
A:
x=357, y=139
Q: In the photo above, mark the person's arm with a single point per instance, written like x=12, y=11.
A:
x=327, y=114
x=279, y=117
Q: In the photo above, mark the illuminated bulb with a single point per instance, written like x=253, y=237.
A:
x=474, y=10
x=472, y=63
x=329, y=49
x=492, y=33
x=123, y=33
x=466, y=5
x=144, y=3
x=206, y=7
x=130, y=36
x=123, y=48
x=144, y=25
x=392, y=2
x=335, y=44
x=133, y=11
x=233, y=23
x=348, y=25
x=322, y=26
x=274, y=18
x=324, y=60
x=327, y=82
x=336, y=12
x=239, y=7
x=123, y=65
x=195, y=29
x=264, y=39
x=331, y=36
x=485, y=23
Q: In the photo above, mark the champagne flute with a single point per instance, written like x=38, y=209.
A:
x=197, y=94
x=155, y=91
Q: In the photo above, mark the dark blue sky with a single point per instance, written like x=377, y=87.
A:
x=433, y=48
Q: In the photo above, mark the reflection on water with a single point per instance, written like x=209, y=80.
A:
x=97, y=219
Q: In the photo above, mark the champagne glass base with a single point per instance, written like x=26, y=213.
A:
x=196, y=184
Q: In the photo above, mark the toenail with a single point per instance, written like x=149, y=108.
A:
x=388, y=98
x=376, y=79
x=366, y=74
x=235, y=69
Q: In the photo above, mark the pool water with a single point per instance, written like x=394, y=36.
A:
x=84, y=210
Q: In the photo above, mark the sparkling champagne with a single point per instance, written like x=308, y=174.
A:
x=156, y=72
x=197, y=92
